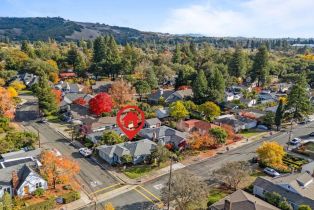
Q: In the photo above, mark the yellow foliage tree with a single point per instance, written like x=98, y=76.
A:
x=108, y=206
x=2, y=82
x=7, y=107
x=13, y=93
x=18, y=85
x=271, y=153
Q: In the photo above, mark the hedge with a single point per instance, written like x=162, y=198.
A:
x=45, y=205
x=70, y=197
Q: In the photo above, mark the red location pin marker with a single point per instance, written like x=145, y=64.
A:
x=131, y=120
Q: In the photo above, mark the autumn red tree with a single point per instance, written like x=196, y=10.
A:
x=57, y=169
x=101, y=103
x=58, y=95
x=79, y=101
x=122, y=93
x=7, y=105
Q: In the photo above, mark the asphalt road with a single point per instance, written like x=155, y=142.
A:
x=133, y=200
x=91, y=177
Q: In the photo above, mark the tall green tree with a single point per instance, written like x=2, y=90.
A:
x=151, y=78
x=216, y=86
x=200, y=87
x=299, y=100
x=177, y=55
x=279, y=114
x=142, y=88
x=100, y=49
x=237, y=66
x=46, y=98
x=28, y=49
x=260, y=69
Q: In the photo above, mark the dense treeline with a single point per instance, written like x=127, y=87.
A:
x=44, y=28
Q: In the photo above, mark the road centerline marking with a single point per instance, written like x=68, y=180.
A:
x=142, y=194
x=155, y=196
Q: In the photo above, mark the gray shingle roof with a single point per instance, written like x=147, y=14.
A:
x=241, y=200
x=152, y=121
x=136, y=148
x=273, y=185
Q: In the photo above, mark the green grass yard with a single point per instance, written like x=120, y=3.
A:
x=251, y=133
x=136, y=171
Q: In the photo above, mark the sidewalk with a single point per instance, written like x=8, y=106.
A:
x=83, y=201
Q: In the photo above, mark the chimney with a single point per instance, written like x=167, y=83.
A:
x=161, y=91
x=15, y=180
x=227, y=205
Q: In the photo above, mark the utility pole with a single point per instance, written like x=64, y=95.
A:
x=169, y=187
x=38, y=138
x=290, y=133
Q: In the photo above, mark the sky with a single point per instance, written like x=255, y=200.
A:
x=247, y=18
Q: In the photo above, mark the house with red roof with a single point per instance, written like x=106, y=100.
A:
x=195, y=125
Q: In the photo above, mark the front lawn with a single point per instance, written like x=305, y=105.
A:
x=136, y=171
x=251, y=133
x=215, y=195
x=53, y=118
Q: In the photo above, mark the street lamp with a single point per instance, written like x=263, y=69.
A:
x=169, y=187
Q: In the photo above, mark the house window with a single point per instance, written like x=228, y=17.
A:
x=38, y=185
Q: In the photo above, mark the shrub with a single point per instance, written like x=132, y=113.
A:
x=39, y=192
x=45, y=205
x=70, y=197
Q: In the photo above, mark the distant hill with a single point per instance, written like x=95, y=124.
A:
x=43, y=28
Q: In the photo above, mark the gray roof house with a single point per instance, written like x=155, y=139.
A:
x=138, y=150
x=170, y=96
x=165, y=135
x=162, y=113
x=241, y=200
x=309, y=168
x=297, y=188
x=96, y=136
x=70, y=87
x=18, y=176
x=152, y=123
x=101, y=86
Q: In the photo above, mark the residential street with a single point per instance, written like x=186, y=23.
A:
x=135, y=200
x=94, y=179
x=91, y=177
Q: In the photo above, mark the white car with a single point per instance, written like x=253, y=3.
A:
x=271, y=172
x=295, y=141
x=56, y=152
x=85, y=152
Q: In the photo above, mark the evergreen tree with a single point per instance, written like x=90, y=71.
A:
x=112, y=59
x=237, y=66
x=177, y=56
x=216, y=86
x=142, y=88
x=279, y=114
x=298, y=99
x=99, y=49
x=200, y=87
x=180, y=80
x=151, y=78
x=28, y=49
x=46, y=99
x=260, y=69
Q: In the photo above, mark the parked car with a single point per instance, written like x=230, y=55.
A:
x=255, y=160
x=311, y=134
x=271, y=172
x=262, y=127
x=56, y=152
x=85, y=152
x=295, y=141
x=43, y=120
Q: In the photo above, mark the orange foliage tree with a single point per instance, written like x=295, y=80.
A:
x=58, y=95
x=122, y=93
x=7, y=106
x=57, y=169
x=198, y=141
x=79, y=101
